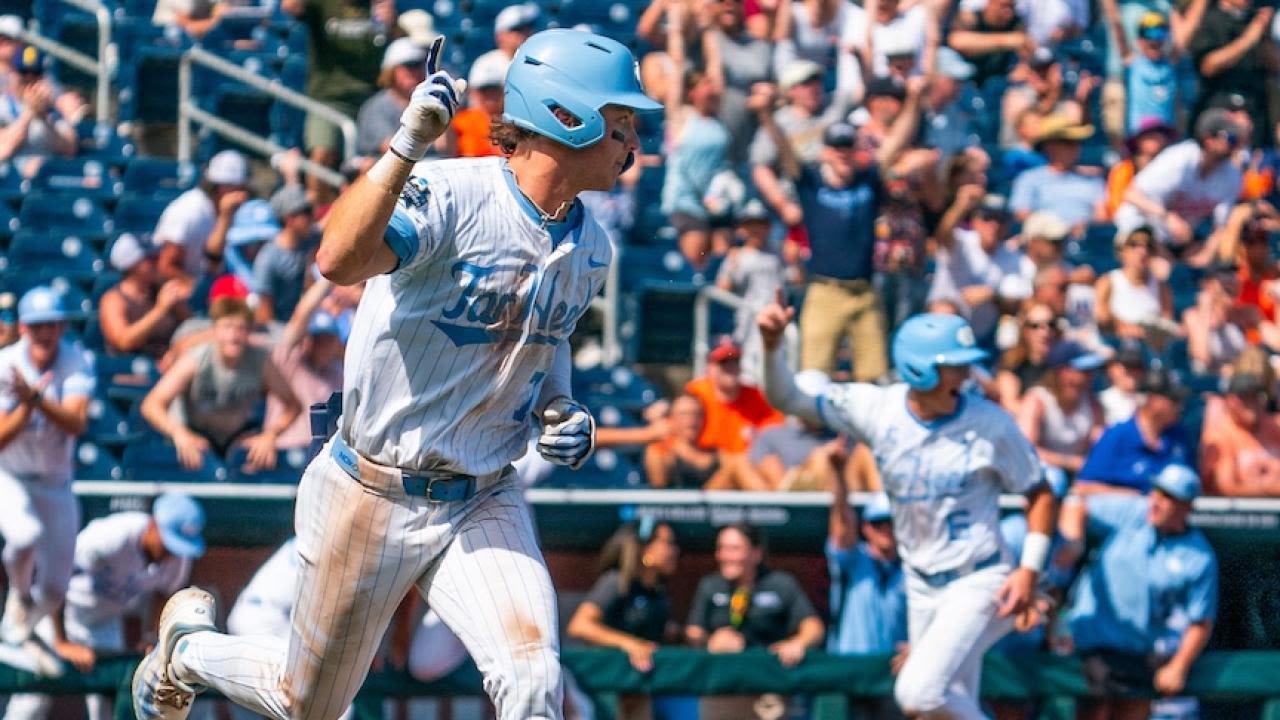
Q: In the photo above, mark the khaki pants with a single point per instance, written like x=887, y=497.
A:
x=834, y=309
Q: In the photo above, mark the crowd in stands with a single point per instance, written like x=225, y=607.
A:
x=1096, y=195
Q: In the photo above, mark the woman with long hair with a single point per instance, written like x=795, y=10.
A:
x=628, y=607
x=1022, y=365
x=1132, y=297
x=1061, y=416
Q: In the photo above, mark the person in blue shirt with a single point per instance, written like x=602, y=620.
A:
x=1145, y=606
x=1130, y=453
x=1151, y=82
x=868, y=599
x=1076, y=195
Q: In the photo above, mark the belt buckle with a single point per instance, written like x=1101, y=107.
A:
x=440, y=488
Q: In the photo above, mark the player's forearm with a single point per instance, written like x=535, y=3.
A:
x=597, y=633
x=1194, y=640
x=811, y=632
x=354, y=248
x=781, y=391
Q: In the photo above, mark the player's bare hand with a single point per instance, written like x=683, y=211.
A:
x=1015, y=595
x=1170, y=678
x=1037, y=613
x=261, y=452
x=900, y=654
x=80, y=656
x=191, y=448
x=230, y=202
x=773, y=321
x=790, y=652
x=640, y=654
x=726, y=640
x=431, y=108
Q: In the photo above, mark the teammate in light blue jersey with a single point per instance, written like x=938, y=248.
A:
x=944, y=456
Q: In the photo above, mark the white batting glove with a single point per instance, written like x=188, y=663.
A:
x=568, y=433
x=431, y=108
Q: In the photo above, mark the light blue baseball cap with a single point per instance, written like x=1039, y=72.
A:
x=877, y=509
x=41, y=304
x=1179, y=482
x=180, y=520
x=253, y=222
x=322, y=323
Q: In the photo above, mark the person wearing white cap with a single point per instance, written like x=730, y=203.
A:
x=1144, y=606
x=403, y=69
x=511, y=28
x=140, y=313
x=470, y=126
x=44, y=400
x=309, y=355
x=183, y=231
x=946, y=123
x=120, y=560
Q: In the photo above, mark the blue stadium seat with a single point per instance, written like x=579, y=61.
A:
x=93, y=462
x=89, y=178
x=288, y=469
x=605, y=469
x=18, y=281
x=43, y=252
x=156, y=70
x=156, y=460
x=618, y=386
x=125, y=378
x=12, y=185
x=656, y=267
x=138, y=213
x=8, y=223
x=101, y=142
x=75, y=212
x=107, y=425
x=153, y=174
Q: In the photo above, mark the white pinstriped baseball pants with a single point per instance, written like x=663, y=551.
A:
x=362, y=546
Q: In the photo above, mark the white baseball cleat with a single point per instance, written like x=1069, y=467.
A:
x=15, y=626
x=157, y=694
x=46, y=661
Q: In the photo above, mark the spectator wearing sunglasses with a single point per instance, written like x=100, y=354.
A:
x=1024, y=364
x=1185, y=184
x=33, y=129
x=1132, y=298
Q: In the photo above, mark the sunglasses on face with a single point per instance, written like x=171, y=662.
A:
x=1231, y=139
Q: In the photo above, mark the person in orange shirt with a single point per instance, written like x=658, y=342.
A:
x=1145, y=143
x=484, y=105
x=1240, y=453
x=733, y=413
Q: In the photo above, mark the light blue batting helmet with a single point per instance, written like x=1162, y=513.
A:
x=578, y=71
x=926, y=341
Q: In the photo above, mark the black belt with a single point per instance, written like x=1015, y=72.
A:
x=441, y=487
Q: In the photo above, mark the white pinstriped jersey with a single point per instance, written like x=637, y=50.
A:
x=448, y=353
x=944, y=477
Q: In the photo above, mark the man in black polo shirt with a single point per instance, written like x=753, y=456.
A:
x=990, y=39
x=840, y=197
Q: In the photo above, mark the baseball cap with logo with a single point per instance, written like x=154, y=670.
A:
x=515, y=17
x=180, y=520
x=1178, y=482
x=227, y=168
x=127, y=251
x=41, y=304
x=30, y=59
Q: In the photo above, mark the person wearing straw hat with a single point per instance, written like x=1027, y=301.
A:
x=1060, y=186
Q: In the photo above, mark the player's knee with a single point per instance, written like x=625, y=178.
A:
x=22, y=534
x=917, y=695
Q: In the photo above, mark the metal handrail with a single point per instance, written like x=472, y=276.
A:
x=102, y=68
x=189, y=111
x=708, y=294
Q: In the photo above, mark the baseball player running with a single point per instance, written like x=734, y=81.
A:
x=45, y=386
x=944, y=458
x=478, y=271
x=120, y=560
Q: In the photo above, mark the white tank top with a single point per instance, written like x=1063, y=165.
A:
x=1062, y=432
x=1134, y=304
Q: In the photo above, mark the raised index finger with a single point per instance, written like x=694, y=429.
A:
x=433, y=55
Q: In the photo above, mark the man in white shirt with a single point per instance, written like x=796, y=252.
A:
x=1187, y=183
x=890, y=27
x=188, y=221
x=511, y=28
x=119, y=560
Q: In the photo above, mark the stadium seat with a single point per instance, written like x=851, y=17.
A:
x=12, y=185
x=88, y=178
x=152, y=174
x=53, y=252
x=604, y=469
x=125, y=379
x=156, y=460
x=107, y=425
x=93, y=462
x=288, y=469
x=156, y=70
x=8, y=223
x=618, y=386
x=74, y=212
x=18, y=281
x=138, y=213
x=103, y=144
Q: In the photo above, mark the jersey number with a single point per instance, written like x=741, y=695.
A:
x=958, y=525
x=522, y=412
